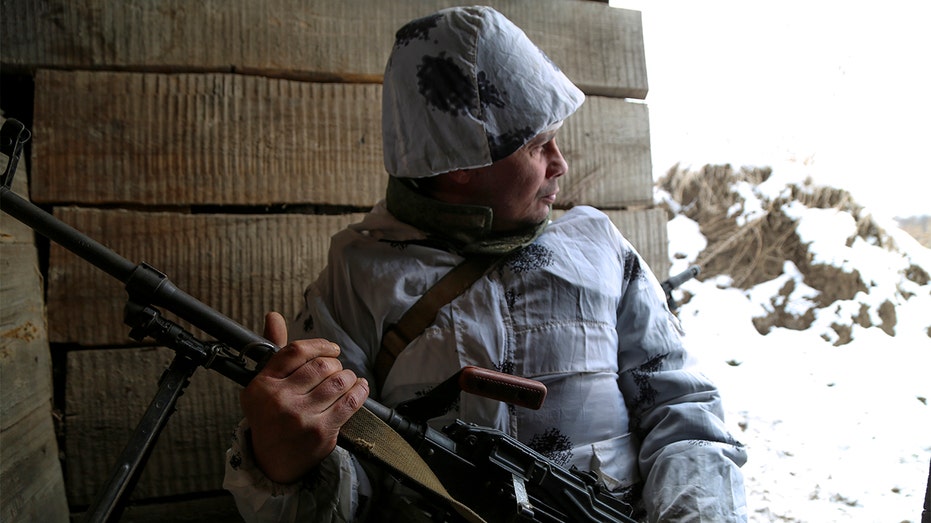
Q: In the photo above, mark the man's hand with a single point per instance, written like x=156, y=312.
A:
x=296, y=405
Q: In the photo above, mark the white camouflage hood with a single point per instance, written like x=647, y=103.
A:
x=465, y=87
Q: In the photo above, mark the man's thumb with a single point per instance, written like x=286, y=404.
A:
x=276, y=329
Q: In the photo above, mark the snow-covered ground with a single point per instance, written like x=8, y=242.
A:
x=834, y=433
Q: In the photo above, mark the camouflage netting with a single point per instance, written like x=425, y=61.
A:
x=750, y=238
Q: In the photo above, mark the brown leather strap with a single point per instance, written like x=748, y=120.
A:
x=423, y=313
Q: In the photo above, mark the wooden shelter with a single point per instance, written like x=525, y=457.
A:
x=223, y=143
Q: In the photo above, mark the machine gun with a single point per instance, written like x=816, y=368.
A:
x=509, y=481
x=675, y=281
x=488, y=470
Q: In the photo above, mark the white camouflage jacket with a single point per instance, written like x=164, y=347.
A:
x=578, y=310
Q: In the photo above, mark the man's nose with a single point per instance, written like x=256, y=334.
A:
x=557, y=165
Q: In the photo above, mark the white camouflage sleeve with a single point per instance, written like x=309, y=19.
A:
x=334, y=493
x=688, y=459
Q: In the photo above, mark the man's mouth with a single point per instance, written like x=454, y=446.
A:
x=550, y=198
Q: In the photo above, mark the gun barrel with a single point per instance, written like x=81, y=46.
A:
x=142, y=281
x=684, y=276
x=65, y=235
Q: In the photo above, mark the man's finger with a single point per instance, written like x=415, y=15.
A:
x=299, y=357
x=276, y=329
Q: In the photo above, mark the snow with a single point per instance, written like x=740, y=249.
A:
x=797, y=302
x=834, y=433
x=834, y=83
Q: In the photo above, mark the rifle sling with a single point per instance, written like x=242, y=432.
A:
x=368, y=435
x=423, y=313
x=375, y=438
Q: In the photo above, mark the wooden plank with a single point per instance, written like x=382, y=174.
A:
x=106, y=395
x=241, y=265
x=31, y=482
x=31, y=486
x=599, y=47
x=607, y=146
x=187, y=139
x=205, y=139
x=26, y=383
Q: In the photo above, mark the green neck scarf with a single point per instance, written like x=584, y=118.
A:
x=465, y=229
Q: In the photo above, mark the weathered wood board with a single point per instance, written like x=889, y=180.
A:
x=31, y=482
x=31, y=485
x=607, y=146
x=599, y=47
x=189, y=139
x=26, y=372
x=161, y=139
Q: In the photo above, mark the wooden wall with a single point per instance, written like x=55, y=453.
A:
x=223, y=143
x=31, y=486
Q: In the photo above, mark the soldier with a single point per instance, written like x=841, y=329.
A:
x=471, y=113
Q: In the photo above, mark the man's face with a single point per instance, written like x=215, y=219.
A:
x=521, y=188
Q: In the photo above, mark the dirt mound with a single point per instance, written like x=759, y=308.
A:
x=751, y=236
x=919, y=227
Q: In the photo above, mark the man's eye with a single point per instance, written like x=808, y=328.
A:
x=539, y=147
